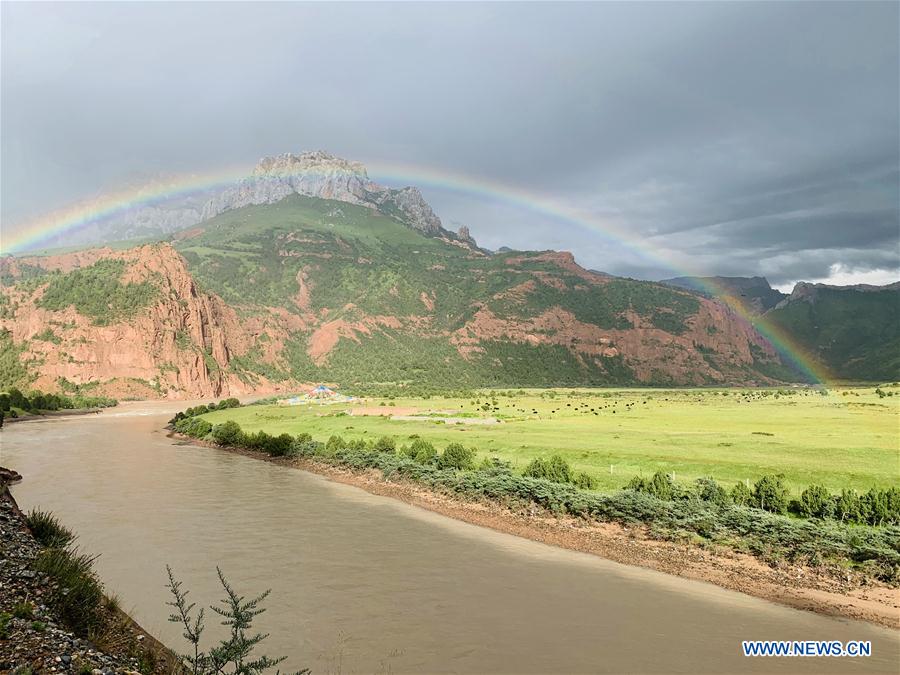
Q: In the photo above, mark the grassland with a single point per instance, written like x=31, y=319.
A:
x=845, y=438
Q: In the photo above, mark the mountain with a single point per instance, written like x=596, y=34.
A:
x=853, y=330
x=313, y=174
x=368, y=290
x=754, y=294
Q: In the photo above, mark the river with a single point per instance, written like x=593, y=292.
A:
x=363, y=583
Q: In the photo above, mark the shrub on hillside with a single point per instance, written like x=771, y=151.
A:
x=771, y=494
x=334, y=444
x=456, y=456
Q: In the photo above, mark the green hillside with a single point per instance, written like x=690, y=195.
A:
x=854, y=333
x=359, y=266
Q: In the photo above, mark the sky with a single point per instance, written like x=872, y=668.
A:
x=734, y=138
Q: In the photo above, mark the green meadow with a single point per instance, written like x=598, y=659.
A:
x=839, y=438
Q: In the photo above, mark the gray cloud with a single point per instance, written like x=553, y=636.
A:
x=747, y=138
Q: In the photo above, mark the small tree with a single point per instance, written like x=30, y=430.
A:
x=455, y=456
x=771, y=494
x=741, y=495
x=710, y=491
x=846, y=506
x=334, y=444
x=386, y=444
x=816, y=502
x=555, y=469
x=422, y=451
x=233, y=655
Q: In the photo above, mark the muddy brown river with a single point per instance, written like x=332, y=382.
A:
x=363, y=583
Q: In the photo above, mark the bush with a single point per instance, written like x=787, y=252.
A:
x=422, y=452
x=274, y=446
x=386, y=444
x=334, y=444
x=660, y=486
x=455, y=456
x=47, y=529
x=585, y=481
x=710, y=491
x=816, y=502
x=227, y=433
x=771, y=494
x=555, y=469
x=194, y=427
x=741, y=495
x=305, y=446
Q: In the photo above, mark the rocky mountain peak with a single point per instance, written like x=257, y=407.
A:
x=321, y=174
x=315, y=161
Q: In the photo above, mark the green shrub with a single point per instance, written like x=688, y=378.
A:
x=98, y=292
x=47, y=529
x=585, y=481
x=816, y=502
x=846, y=506
x=555, y=469
x=710, y=491
x=771, y=494
x=334, y=444
x=422, y=451
x=660, y=485
x=23, y=610
x=227, y=433
x=386, y=444
x=741, y=495
x=455, y=456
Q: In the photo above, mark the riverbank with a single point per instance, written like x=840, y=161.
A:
x=52, y=414
x=798, y=586
x=34, y=636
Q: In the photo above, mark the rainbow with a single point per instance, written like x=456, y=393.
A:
x=33, y=234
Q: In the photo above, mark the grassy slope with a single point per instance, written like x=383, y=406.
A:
x=846, y=439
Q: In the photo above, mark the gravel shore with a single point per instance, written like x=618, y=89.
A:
x=34, y=639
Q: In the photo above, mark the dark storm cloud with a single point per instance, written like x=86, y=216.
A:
x=748, y=138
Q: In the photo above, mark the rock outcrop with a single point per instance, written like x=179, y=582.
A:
x=319, y=174
x=179, y=346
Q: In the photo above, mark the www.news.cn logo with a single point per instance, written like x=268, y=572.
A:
x=806, y=648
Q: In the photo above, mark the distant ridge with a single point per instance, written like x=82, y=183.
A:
x=754, y=293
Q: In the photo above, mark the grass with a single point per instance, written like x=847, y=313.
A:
x=847, y=438
x=47, y=529
x=79, y=593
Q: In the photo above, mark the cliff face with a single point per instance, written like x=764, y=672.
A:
x=181, y=344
